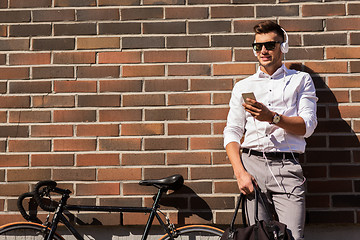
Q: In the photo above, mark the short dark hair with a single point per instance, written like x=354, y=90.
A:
x=269, y=26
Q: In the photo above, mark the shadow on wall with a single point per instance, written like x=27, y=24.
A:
x=328, y=160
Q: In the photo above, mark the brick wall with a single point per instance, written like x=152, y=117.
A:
x=98, y=94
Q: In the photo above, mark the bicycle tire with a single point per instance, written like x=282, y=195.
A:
x=25, y=230
x=196, y=232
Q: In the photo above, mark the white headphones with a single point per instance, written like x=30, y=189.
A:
x=284, y=47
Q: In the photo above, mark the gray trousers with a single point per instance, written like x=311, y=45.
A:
x=288, y=199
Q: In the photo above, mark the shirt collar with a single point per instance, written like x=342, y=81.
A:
x=279, y=73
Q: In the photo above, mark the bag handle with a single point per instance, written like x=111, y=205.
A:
x=242, y=199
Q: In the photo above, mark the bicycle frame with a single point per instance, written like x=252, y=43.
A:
x=59, y=216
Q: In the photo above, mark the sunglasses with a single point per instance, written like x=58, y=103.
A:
x=268, y=45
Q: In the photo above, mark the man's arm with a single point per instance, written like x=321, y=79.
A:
x=244, y=179
x=294, y=125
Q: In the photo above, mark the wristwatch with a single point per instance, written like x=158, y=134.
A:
x=276, y=118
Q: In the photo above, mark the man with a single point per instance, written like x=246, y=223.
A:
x=275, y=126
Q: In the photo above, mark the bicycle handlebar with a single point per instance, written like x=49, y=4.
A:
x=28, y=217
x=50, y=187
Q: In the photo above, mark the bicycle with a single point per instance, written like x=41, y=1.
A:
x=41, y=196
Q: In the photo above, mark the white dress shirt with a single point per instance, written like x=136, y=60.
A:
x=287, y=92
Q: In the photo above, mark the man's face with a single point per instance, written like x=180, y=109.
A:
x=269, y=58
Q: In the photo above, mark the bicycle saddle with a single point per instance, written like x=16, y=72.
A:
x=172, y=182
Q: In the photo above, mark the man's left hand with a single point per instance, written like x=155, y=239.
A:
x=258, y=110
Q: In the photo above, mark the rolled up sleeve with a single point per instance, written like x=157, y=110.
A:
x=307, y=106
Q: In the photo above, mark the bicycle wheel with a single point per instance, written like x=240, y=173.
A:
x=197, y=232
x=22, y=231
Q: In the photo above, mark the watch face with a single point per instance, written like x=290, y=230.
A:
x=276, y=118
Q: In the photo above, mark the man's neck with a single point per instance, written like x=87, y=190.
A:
x=270, y=70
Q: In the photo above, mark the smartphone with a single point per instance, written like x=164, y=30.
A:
x=248, y=95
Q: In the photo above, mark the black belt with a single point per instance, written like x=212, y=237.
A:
x=280, y=155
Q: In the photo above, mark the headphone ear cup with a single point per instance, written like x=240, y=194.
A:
x=284, y=47
x=254, y=53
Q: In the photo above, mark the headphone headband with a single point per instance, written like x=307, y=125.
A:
x=284, y=46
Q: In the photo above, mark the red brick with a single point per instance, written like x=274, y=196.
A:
x=317, y=201
x=29, y=4
x=29, y=58
x=166, y=85
x=221, y=98
x=98, y=189
x=120, y=115
x=14, y=131
x=186, y=13
x=166, y=143
x=165, y=114
x=344, y=171
x=355, y=96
x=53, y=101
x=74, y=116
x=120, y=144
x=69, y=3
x=28, y=174
x=141, y=13
x=164, y=56
x=208, y=113
x=341, y=24
x=233, y=69
x=14, y=160
x=98, y=72
x=355, y=66
x=144, y=129
x=206, y=143
x=52, y=160
x=97, y=14
x=189, y=128
x=187, y=41
x=61, y=145
x=241, y=26
x=45, y=44
x=323, y=10
x=30, y=30
x=51, y=131
x=168, y=27
x=226, y=187
x=13, y=189
x=344, y=112
x=119, y=174
x=189, y=99
x=53, y=72
x=74, y=57
x=343, y=81
x=99, y=101
x=14, y=44
x=120, y=86
x=232, y=11
x=97, y=130
x=14, y=73
x=342, y=52
x=30, y=87
x=119, y=57
x=30, y=117
x=74, y=86
x=141, y=159
x=329, y=186
x=302, y=25
x=78, y=174
x=57, y=15
x=210, y=55
x=327, y=67
x=111, y=159
x=217, y=172
x=143, y=71
x=156, y=173
x=189, y=70
x=198, y=27
x=98, y=43
x=211, y=84
x=144, y=100
x=117, y=3
x=188, y=158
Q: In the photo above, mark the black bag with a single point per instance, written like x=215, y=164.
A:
x=261, y=230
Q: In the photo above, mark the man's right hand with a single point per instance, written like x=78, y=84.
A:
x=245, y=183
